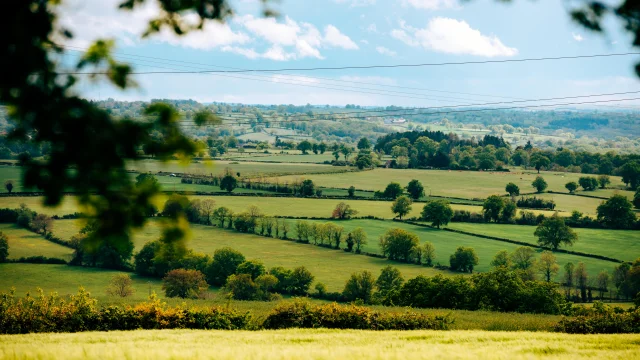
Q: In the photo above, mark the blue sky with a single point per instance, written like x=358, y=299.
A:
x=325, y=33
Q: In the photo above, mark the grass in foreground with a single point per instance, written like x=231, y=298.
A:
x=618, y=244
x=317, y=344
x=24, y=243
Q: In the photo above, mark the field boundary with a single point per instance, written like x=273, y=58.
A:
x=516, y=242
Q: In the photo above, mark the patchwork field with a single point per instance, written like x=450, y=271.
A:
x=446, y=243
x=319, y=344
x=331, y=267
x=466, y=184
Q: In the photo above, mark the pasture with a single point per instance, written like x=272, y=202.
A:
x=331, y=267
x=464, y=184
x=318, y=344
x=446, y=243
x=24, y=243
x=618, y=244
x=568, y=203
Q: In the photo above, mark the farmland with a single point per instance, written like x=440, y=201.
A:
x=618, y=244
x=323, y=344
x=24, y=243
x=467, y=184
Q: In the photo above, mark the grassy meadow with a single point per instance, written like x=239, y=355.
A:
x=618, y=244
x=331, y=267
x=317, y=344
x=24, y=243
x=446, y=243
x=464, y=184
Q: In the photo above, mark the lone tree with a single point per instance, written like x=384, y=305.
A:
x=512, y=189
x=399, y=244
x=539, y=161
x=604, y=181
x=616, y=213
x=228, y=183
x=401, y=206
x=464, y=259
x=553, y=232
x=121, y=286
x=359, y=238
x=352, y=191
x=415, y=189
x=186, y=284
x=492, y=208
x=428, y=253
x=548, y=265
x=9, y=186
x=571, y=186
x=630, y=173
x=304, y=146
x=438, y=212
x=392, y=191
x=343, y=211
x=307, y=188
x=539, y=184
x=588, y=183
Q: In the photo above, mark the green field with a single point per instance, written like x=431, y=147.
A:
x=568, y=203
x=308, y=207
x=294, y=158
x=24, y=243
x=618, y=244
x=465, y=184
x=317, y=344
x=332, y=267
x=446, y=243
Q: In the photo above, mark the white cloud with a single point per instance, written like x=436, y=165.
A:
x=577, y=37
x=291, y=40
x=364, y=42
x=333, y=37
x=384, y=51
x=453, y=36
x=372, y=28
x=356, y=3
x=430, y=4
x=404, y=37
x=91, y=20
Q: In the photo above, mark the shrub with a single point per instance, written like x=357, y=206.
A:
x=184, y=284
x=120, y=285
x=536, y=203
x=602, y=319
x=301, y=314
x=79, y=312
x=464, y=259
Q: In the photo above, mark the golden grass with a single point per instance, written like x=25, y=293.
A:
x=317, y=344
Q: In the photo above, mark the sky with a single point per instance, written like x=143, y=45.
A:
x=337, y=33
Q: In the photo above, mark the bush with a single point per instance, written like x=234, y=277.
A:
x=293, y=282
x=120, y=285
x=80, y=313
x=253, y=268
x=536, y=203
x=184, y=284
x=301, y=314
x=464, y=259
x=602, y=319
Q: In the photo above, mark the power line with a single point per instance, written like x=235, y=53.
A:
x=78, y=49
x=368, y=66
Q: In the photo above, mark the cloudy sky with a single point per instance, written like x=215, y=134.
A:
x=334, y=33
